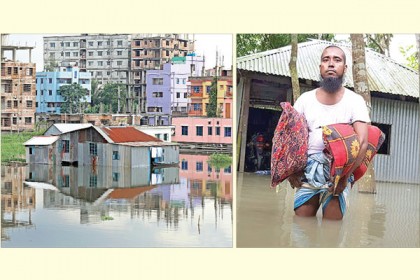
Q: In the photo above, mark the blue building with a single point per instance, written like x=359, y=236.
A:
x=48, y=97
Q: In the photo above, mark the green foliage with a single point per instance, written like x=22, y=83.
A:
x=410, y=54
x=379, y=42
x=212, y=107
x=253, y=43
x=73, y=96
x=108, y=97
x=50, y=65
x=220, y=160
x=12, y=148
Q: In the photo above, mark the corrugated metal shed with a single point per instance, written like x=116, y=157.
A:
x=148, y=144
x=41, y=141
x=127, y=134
x=385, y=75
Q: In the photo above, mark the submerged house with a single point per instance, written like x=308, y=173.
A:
x=264, y=81
x=85, y=144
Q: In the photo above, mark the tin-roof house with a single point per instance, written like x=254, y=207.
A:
x=264, y=81
x=85, y=144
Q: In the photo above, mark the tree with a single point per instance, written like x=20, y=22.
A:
x=50, y=65
x=360, y=79
x=293, y=67
x=212, y=107
x=73, y=98
x=253, y=43
x=379, y=42
x=111, y=97
x=410, y=54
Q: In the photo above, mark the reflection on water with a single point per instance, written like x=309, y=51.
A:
x=265, y=218
x=55, y=206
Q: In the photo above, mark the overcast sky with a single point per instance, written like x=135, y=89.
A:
x=205, y=44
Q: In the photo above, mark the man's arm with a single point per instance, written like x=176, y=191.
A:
x=361, y=129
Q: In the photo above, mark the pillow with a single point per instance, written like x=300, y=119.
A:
x=290, y=145
x=342, y=147
x=375, y=140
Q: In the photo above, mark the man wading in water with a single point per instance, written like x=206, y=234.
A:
x=331, y=103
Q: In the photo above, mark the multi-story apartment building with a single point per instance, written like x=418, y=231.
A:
x=199, y=92
x=48, y=97
x=166, y=91
x=105, y=56
x=151, y=51
x=17, y=91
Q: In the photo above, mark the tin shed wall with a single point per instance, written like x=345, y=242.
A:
x=402, y=163
x=140, y=156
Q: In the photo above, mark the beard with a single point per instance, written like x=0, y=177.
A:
x=331, y=84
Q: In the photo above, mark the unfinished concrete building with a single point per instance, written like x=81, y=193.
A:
x=18, y=90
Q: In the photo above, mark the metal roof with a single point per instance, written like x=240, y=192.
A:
x=68, y=127
x=41, y=140
x=148, y=144
x=127, y=134
x=384, y=74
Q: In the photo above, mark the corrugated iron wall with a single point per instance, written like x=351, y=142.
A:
x=403, y=162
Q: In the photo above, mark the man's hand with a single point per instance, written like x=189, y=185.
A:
x=295, y=179
x=341, y=185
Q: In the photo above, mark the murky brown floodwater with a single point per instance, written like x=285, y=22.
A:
x=265, y=218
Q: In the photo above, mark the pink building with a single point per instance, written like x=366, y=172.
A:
x=202, y=130
x=202, y=176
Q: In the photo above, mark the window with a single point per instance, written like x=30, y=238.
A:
x=66, y=145
x=90, y=44
x=50, y=80
x=177, y=81
x=217, y=130
x=185, y=95
x=184, y=81
x=15, y=103
x=28, y=103
x=67, y=44
x=115, y=176
x=154, y=109
x=93, y=181
x=196, y=89
x=165, y=137
x=119, y=43
x=99, y=74
x=228, y=170
x=100, y=53
x=67, y=54
x=90, y=63
x=100, y=63
x=228, y=131
x=157, y=135
x=93, y=149
x=386, y=129
x=27, y=87
x=157, y=81
x=9, y=70
x=75, y=54
x=52, y=45
x=221, y=87
x=157, y=94
x=15, y=70
x=14, y=120
x=199, y=166
x=115, y=155
x=184, y=130
x=184, y=165
x=210, y=130
x=199, y=130
x=29, y=71
x=119, y=52
x=167, y=53
x=75, y=44
x=119, y=63
x=209, y=169
x=196, y=106
x=167, y=42
x=31, y=150
x=99, y=43
x=178, y=95
x=208, y=89
x=50, y=92
x=90, y=53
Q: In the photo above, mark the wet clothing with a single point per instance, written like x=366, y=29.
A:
x=317, y=181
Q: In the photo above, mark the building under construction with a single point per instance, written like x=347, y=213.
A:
x=18, y=89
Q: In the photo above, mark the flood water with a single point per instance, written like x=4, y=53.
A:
x=265, y=218
x=63, y=206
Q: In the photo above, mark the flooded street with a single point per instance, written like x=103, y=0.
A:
x=265, y=218
x=63, y=206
